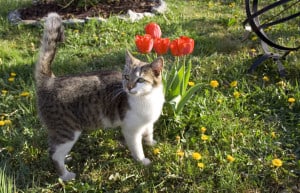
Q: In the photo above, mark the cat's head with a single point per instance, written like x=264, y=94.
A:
x=140, y=78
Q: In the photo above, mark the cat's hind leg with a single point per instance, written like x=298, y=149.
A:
x=58, y=153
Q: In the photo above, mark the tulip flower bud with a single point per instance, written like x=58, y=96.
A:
x=161, y=45
x=153, y=29
x=182, y=46
x=144, y=43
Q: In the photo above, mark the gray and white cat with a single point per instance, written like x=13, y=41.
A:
x=70, y=104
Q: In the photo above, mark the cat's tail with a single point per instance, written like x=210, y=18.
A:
x=53, y=34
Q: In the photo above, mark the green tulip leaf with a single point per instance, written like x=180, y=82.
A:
x=186, y=97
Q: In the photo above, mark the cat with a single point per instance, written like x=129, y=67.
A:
x=68, y=105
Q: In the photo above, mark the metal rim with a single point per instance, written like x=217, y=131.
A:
x=253, y=20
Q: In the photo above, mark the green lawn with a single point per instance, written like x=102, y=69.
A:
x=238, y=128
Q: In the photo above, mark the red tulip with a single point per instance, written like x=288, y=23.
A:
x=182, y=46
x=153, y=29
x=161, y=45
x=175, y=47
x=144, y=43
x=188, y=45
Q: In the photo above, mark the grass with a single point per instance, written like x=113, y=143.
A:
x=254, y=126
x=6, y=182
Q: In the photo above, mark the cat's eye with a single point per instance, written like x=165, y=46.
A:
x=126, y=76
x=140, y=80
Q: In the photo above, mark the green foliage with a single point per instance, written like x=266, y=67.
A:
x=176, y=82
x=7, y=6
x=254, y=126
x=7, y=184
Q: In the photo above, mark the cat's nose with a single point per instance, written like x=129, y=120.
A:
x=130, y=86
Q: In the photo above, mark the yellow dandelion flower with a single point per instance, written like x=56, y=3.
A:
x=200, y=165
x=76, y=31
x=219, y=101
x=180, y=153
x=156, y=151
x=266, y=79
x=214, y=83
x=268, y=29
x=277, y=162
x=2, y=123
x=204, y=137
x=281, y=83
x=13, y=74
x=25, y=94
x=273, y=134
x=253, y=50
x=177, y=138
x=32, y=46
x=230, y=158
x=203, y=129
x=236, y=94
x=210, y=4
x=191, y=83
x=11, y=79
x=196, y=156
x=4, y=92
x=10, y=149
x=233, y=83
x=7, y=122
x=231, y=5
x=254, y=38
x=95, y=37
x=291, y=100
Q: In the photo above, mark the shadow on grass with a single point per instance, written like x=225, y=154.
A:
x=269, y=67
x=77, y=63
x=271, y=105
x=217, y=38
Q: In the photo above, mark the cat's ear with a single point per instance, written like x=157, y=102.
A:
x=129, y=58
x=157, y=66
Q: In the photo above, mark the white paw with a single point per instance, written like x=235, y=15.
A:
x=68, y=176
x=146, y=162
x=151, y=143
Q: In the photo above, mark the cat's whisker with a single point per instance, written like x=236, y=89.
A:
x=117, y=93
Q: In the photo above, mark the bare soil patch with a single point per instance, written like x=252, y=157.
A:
x=103, y=9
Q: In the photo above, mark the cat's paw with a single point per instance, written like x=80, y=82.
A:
x=68, y=176
x=146, y=162
x=151, y=143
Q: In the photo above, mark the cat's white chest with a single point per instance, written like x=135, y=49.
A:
x=147, y=108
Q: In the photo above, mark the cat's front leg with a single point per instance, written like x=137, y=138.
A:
x=148, y=136
x=134, y=143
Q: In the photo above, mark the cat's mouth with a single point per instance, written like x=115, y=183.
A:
x=130, y=91
x=137, y=93
x=134, y=92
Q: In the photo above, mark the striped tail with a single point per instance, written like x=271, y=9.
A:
x=53, y=34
